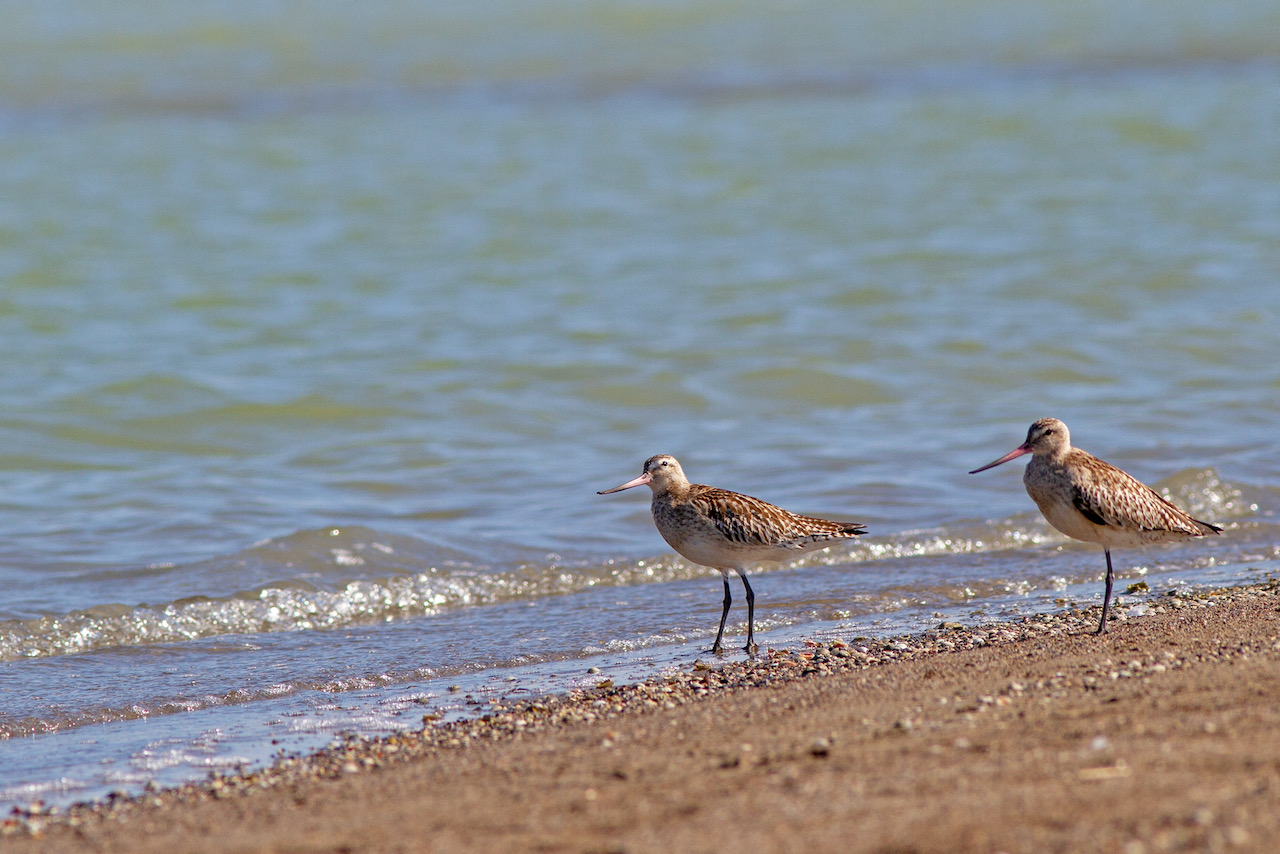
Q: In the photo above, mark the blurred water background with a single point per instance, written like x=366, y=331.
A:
x=321, y=324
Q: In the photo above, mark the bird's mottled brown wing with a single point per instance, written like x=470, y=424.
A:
x=1106, y=495
x=752, y=522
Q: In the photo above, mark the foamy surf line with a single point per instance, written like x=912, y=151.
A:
x=338, y=577
x=303, y=607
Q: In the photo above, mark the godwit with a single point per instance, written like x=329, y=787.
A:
x=728, y=531
x=1093, y=501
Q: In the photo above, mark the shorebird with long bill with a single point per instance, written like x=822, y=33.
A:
x=1093, y=501
x=728, y=531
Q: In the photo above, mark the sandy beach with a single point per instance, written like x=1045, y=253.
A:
x=1036, y=735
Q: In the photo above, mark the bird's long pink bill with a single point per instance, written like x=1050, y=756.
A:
x=1012, y=455
x=640, y=481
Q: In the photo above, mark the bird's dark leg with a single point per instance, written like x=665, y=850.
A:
x=1106, y=597
x=724, y=615
x=751, y=614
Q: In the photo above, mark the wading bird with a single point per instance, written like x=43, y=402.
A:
x=728, y=531
x=1093, y=501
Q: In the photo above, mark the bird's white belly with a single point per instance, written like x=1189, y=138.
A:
x=1070, y=521
x=721, y=554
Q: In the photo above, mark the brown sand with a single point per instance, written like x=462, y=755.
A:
x=1162, y=735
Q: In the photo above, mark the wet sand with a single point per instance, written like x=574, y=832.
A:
x=1030, y=736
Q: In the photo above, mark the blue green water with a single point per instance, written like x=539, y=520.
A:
x=322, y=326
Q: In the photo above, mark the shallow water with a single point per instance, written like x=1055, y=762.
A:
x=319, y=342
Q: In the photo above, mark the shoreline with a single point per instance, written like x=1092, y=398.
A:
x=1163, y=734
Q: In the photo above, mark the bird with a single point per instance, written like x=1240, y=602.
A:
x=1095, y=502
x=728, y=531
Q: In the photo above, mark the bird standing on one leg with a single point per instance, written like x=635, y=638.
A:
x=1093, y=501
x=728, y=531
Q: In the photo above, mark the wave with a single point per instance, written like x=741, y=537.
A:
x=337, y=577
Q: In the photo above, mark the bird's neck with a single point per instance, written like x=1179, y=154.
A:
x=672, y=493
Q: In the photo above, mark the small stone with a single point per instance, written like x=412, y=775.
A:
x=820, y=747
x=1237, y=835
